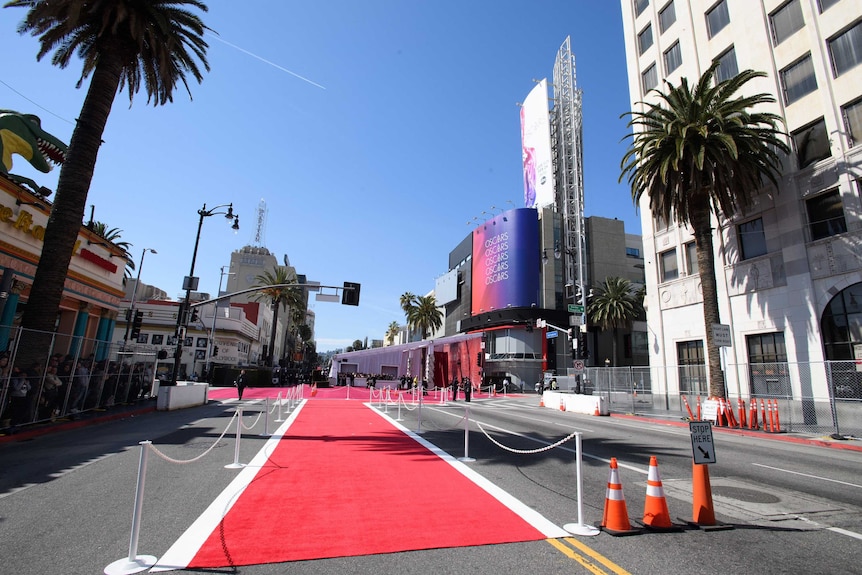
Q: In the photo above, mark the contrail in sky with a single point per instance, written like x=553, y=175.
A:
x=265, y=61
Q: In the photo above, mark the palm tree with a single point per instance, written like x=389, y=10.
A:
x=392, y=332
x=702, y=150
x=408, y=302
x=614, y=305
x=102, y=230
x=123, y=44
x=273, y=290
x=425, y=315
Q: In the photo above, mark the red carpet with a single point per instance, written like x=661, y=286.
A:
x=341, y=482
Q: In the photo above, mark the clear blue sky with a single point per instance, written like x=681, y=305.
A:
x=374, y=130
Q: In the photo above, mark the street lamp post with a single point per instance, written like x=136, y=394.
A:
x=190, y=282
x=215, y=318
x=131, y=315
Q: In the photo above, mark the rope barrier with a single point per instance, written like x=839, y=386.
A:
x=526, y=451
x=187, y=461
x=259, y=413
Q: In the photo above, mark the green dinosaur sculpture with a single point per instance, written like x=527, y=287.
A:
x=22, y=134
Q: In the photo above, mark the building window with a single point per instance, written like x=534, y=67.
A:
x=649, y=78
x=852, y=114
x=825, y=215
x=692, y=368
x=798, y=79
x=659, y=223
x=673, y=58
x=640, y=6
x=669, y=268
x=811, y=143
x=752, y=240
x=666, y=17
x=691, y=258
x=727, y=67
x=767, y=364
x=846, y=50
x=785, y=21
x=717, y=18
x=633, y=253
x=645, y=39
x=824, y=4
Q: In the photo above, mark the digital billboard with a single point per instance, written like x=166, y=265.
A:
x=505, y=266
x=536, y=148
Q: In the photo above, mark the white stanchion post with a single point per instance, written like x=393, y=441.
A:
x=466, y=457
x=580, y=528
x=236, y=464
x=419, y=419
x=135, y=563
x=266, y=421
x=280, y=417
x=400, y=399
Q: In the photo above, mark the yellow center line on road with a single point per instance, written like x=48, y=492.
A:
x=592, y=556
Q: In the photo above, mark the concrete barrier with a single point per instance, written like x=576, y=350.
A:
x=183, y=394
x=575, y=402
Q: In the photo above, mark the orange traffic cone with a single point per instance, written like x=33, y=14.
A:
x=656, y=515
x=616, y=517
x=541, y=401
x=562, y=405
x=703, y=512
x=597, y=412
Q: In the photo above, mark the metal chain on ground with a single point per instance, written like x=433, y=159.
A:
x=249, y=428
x=192, y=460
x=525, y=451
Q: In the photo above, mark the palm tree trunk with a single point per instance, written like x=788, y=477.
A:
x=706, y=267
x=67, y=213
x=272, y=336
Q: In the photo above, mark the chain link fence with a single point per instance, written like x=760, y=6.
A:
x=49, y=376
x=816, y=397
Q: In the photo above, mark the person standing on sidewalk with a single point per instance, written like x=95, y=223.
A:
x=240, y=384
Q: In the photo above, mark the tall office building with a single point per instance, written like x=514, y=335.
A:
x=789, y=270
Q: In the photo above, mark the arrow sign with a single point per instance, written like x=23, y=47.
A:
x=702, y=448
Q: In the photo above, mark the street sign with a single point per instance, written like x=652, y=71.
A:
x=576, y=320
x=578, y=366
x=702, y=448
x=551, y=334
x=721, y=335
x=574, y=308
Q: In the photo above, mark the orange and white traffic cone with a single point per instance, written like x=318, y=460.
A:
x=752, y=415
x=740, y=403
x=703, y=512
x=597, y=412
x=616, y=517
x=541, y=401
x=656, y=514
x=562, y=404
x=763, y=415
x=777, y=418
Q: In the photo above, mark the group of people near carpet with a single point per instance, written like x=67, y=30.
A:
x=67, y=385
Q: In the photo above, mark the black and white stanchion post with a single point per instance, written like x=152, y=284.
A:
x=135, y=563
x=466, y=458
x=580, y=528
x=236, y=464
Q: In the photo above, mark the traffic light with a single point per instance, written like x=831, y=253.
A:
x=479, y=358
x=136, y=324
x=350, y=294
x=215, y=350
x=582, y=345
x=194, y=316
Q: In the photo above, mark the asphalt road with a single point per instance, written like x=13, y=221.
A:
x=66, y=498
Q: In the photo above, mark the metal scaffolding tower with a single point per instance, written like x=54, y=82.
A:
x=567, y=141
